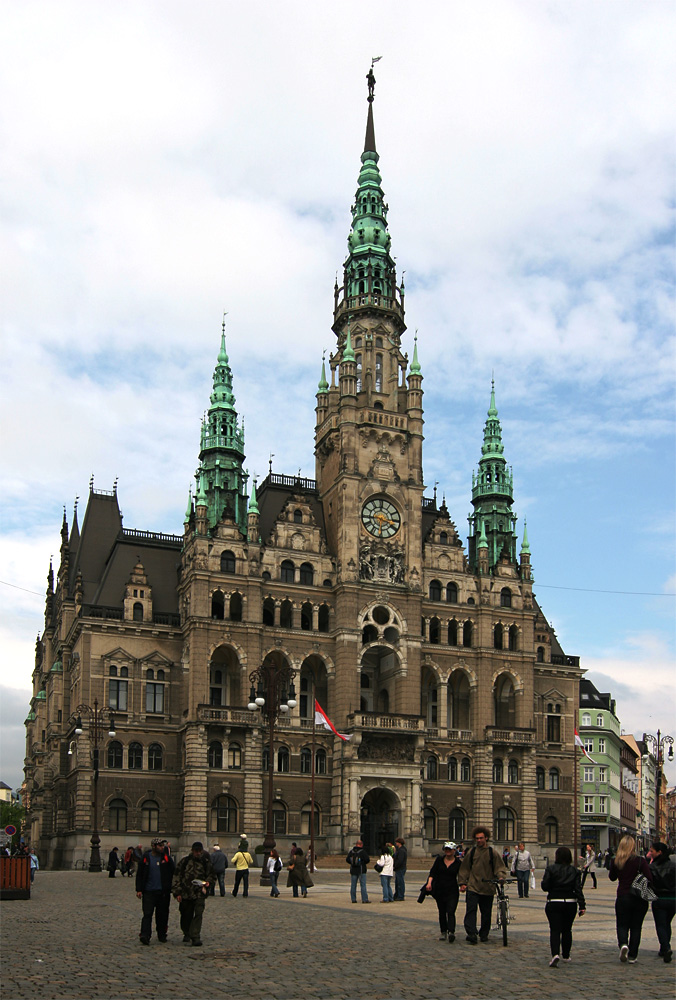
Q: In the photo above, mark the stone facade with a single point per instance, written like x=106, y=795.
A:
x=436, y=661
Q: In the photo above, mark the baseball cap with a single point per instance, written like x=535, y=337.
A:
x=157, y=842
x=450, y=846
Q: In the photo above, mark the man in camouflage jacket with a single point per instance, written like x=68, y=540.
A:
x=193, y=879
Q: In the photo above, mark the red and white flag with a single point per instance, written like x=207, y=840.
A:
x=322, y=719
x=581, y=744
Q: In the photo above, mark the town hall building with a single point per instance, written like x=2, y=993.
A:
x=432, y=655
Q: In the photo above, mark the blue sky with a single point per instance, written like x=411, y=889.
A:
x=163, y=162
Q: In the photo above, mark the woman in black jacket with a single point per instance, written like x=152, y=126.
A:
x=562, y=883
x=443, y=884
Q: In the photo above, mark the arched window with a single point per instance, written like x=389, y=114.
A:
x=435, y=590
x=114, y=757
x=306, y=617
x=504, y=825
x=470, y=600
x=235, y=610
x=117, y=816
x=458, y=697
x=497, y=636
x=505, y=702
x=283, y=759
x=215, y=754
x=432, y=768
x=297, y=516
x=269, y=612
x=135, y=757
x=320, y=761
x=539, y=777
x=466, y=769
x=452, y=593
x=599, y=721
x=227, y=562
x=498, y=775
x=435, y=631
x=586, y=717
x=306, y=760
x=453, y=632
x=512, y=637
x=505, y=598
x=430, y=823
x=358, y=365
x=551, y=830
x=305, y=820
x=323, y=618
x=224, y=814
x=553, y=779
x=369, y=633
x=154, y=757
x=279, y=819
x=540, y=654
x=137, y=612
x=286, y=615
x=234, y=757
x=513, y=773
x=265, y=764
x=379, y=373
x=467, y=633
x=150, y=816
x=456, y=826
x=307, y=574
x=453, y=769
x=443, y=538
x=218, y=605
x=554, y=725
x=287, y=571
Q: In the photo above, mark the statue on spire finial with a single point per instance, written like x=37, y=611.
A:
x=371, y=80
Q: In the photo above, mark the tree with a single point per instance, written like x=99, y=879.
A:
x=12, y=814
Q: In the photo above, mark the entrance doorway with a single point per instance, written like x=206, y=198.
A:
x=380, y=819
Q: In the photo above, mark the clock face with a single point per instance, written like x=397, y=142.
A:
x=380, y=518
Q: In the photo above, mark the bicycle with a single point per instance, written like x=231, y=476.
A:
x=503, y=917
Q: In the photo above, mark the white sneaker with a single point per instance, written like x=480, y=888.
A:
x=624, y=951
x=554, y=962
x=566, y=959
x=633, y=961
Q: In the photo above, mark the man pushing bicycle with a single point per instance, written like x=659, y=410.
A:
x=480, y=863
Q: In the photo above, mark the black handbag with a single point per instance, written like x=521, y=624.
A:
x=377, y=868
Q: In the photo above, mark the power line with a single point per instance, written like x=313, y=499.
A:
x=590, y=590
x=25, y=589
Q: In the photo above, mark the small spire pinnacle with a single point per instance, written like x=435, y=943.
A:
x=415, y=364
x=348, y=353
x=253, y=500
x=525, y=547
x=188, y=512
x=323, y=384
x=483, y=541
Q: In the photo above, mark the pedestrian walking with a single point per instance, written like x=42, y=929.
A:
x=274, y=867
x=242, y=861
x=630, y=908
x=663, y=868
x=522, y=866
x=154, y=876
x=588, y=863
x=128, y=862
x=400, y=862
x=219, y=863
x=358, y=861
x=562, y=883
x=385, y=868
x=35, y=864
x=299, y=877
x=190, y=886
x=442, y=883
x=113, y=862
x=480, y=863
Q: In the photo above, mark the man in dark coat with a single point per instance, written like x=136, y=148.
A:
x=153, y=886
x=219, y=863
x=358, y=859
x=400, y=859
x=193, y=878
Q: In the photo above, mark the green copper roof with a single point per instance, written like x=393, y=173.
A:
x=348, y=353
x=525, y=547
x=323, y=384
x=483, y=541
x=188, y=510
x=415, y=366
x=221, y=480
x=253, y=500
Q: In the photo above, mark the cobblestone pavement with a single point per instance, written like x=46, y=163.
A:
x=77, y=939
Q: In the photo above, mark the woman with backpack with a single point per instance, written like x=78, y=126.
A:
x=663, y=868
x=274, y=867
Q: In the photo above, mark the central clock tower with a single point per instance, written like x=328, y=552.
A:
x=368, y=436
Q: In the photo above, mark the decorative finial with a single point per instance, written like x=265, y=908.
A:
x=91, y=483
x=371, y=80
x=115, y=486
x=272, y=455
x=223, y=323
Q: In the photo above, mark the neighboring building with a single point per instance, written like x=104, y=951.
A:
x=436, y=659
x=5, y=792
x=645, y=797
x=629, y=786
x=671, y=817
x=600, y=781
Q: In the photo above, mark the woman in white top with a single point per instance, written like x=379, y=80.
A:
x=386, y=859
x=274, y=867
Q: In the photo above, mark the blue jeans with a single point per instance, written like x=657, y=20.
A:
x=221, y=884
x=386, y=882
x=400, y=883
x=523, y=880
x=362, y=887
x=274, y=891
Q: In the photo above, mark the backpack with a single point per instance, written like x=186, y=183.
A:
x=490, y=858
x=278, y=865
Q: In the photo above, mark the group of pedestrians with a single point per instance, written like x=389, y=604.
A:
x=158, y=878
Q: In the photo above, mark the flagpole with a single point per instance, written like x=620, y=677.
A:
x=312, y=793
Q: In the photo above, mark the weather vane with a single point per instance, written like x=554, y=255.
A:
x=370, y=78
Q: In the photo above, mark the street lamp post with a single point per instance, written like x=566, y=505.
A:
x=658, y=743
x=272, y=693
x=96, y=718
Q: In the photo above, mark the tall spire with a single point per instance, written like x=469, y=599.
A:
x=492, y=496
x=220, y=476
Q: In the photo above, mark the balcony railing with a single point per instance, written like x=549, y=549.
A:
x=494, y=734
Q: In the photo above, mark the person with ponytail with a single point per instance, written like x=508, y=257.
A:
x=630, y=908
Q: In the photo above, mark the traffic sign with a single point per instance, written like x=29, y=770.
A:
x=10, y=830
